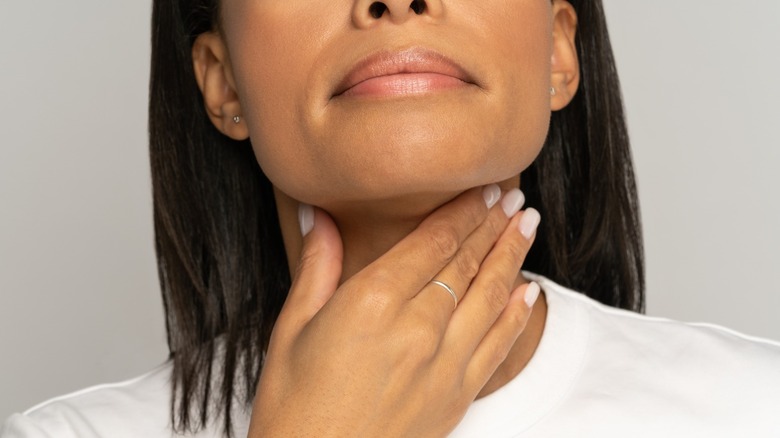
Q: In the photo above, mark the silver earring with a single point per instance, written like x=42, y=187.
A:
x=552, y=91
x=236, y=119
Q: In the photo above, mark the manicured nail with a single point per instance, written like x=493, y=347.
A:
x=529, y=222
x=531, y=293
x=305, y=218
x=513, y=201
x=491, y=193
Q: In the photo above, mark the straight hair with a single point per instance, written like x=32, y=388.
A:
x=222, y=265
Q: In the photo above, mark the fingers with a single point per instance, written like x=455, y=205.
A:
x=435, y=242
x=490, y=291
x=319, y=269
x=495, y=346
x=459, y=273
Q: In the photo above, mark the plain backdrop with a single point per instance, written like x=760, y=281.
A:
x=79, y=298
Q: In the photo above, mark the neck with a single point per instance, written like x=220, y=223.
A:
x=369, y=229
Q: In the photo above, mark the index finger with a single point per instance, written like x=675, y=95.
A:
x=413, y=262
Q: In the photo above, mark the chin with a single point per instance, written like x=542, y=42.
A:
x=406, y=144
x=436, y=177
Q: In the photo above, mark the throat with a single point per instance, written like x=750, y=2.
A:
x=365, y=243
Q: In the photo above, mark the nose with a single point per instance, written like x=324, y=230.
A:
x=368, y=13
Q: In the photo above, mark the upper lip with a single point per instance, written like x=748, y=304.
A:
x=413, y=60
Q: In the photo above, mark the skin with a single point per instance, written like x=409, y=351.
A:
x=383, y=167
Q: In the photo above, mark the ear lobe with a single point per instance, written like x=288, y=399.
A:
x=565, y=78
x=211, y=64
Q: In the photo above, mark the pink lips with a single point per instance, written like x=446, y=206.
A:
x=412, y=71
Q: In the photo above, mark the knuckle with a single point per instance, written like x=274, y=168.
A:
x=467, y=264
x=373, y=301
x=381, y=274
x=426, y=340
x=498, y=355
x=517, y=250
x=477, y=213
x=307, y=259
x=496, y=296
x=422, y=338
x=496, y=225
x=444, y=240
x=519, y=318
x=516, y=317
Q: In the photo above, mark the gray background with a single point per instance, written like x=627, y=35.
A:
x=79, y=301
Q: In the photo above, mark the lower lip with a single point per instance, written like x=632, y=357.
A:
x=404, y=84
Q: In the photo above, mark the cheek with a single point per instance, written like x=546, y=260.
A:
x=271, y=60
x=521, y=39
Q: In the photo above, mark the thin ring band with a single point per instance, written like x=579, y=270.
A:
x=448, y=289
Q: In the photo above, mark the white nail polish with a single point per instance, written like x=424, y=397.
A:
x=491, y=193
x=513, y=201
x=305, y=218
x=529, y=222
x=531, y=293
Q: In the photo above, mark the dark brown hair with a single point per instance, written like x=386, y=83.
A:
x=222, y=264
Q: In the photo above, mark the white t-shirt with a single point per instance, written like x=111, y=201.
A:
x=597, y=372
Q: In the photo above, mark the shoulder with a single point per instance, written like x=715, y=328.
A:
x=650, y=362
x=670, y=338
x=135, y=407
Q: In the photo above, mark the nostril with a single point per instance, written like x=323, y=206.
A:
x=377, y=9
x=418, y=6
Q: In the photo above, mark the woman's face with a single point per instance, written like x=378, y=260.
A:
x=437, y=128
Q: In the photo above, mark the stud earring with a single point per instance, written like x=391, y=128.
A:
x=236, y=119
x=552, y=91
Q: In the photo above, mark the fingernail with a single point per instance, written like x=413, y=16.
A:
x=305, y=218
x=513, y=201
x=529, y=222
x=531, y=293
x=491, y=193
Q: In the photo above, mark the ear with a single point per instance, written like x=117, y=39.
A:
x=565, y=72
x=215, y=79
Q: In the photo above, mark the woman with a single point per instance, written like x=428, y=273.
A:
x=410, y=126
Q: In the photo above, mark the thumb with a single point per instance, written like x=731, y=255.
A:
x=319, y=267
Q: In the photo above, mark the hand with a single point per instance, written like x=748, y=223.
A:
x=384, y=354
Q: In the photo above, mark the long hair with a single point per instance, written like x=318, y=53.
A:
x=222, y=265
